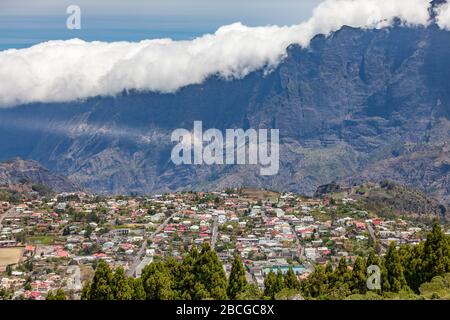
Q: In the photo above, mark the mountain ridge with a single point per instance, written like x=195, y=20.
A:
x=345, y=104
x=27, y=175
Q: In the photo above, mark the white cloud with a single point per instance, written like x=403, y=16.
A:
x=58, y=71
x=443, y=16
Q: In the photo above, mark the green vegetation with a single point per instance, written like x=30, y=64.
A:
x=11, y=196
x=281, y=287
x=199, y=275
x=437, y=288
x=237, y=282
x=42, y=189
x=389, y=199
x=5, y=294
x=8, y=270
x=406, y=272
x=46, y=240
x=108, y=285
x=59, y=295
x=419, y=272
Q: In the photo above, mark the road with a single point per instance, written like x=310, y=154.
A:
x=300, y=248
x=145, y=261
x=4, y=215
x=371, y=232
x=140, y=255
x=74, y=280
x=214, y=232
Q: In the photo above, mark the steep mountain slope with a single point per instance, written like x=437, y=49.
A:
x=389, y=199
x=360, y=104
x=22, y=175
x=424, y=167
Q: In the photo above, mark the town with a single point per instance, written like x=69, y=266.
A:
x=56, y=242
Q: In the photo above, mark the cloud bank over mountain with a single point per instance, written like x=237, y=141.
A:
x=443, y=16
x=59, y=71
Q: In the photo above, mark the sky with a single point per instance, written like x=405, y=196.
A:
x=24, y=23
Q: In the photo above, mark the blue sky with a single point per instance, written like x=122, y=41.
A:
x=27, y=22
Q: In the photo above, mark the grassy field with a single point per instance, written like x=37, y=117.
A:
x=46, y=240
x=10, y=255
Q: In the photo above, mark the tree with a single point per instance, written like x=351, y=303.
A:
x=50, y=296
x=329, y=273
x=66, y=231
x=59, y=295
x=9, y=270
x=291, y=281
x=329, y=268
x=385, y=285
x=316, y=285
x=158, y=286
x=5, y=294
x=28, y=265
x=341, y=274
x=426, y=260
x=436, y=255
x=251, y=292
x=412, y=261
x=27, y=285
x=237, y=282
x=270, y=285
x=209, y=272
x=92, y=217
x=279, y=284
x=86, y=292
x=339, y=284
x=372, y=259
x=88, y=231
x=120, y=286
x=137, y=288
x=188, y=286
x=157, y=282
x=358, y=276
x=394, y=269
x=101, y=286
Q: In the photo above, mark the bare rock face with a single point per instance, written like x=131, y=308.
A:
x=19, y=174
x=355, y=106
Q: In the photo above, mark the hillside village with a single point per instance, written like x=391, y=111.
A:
x=55, y=242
